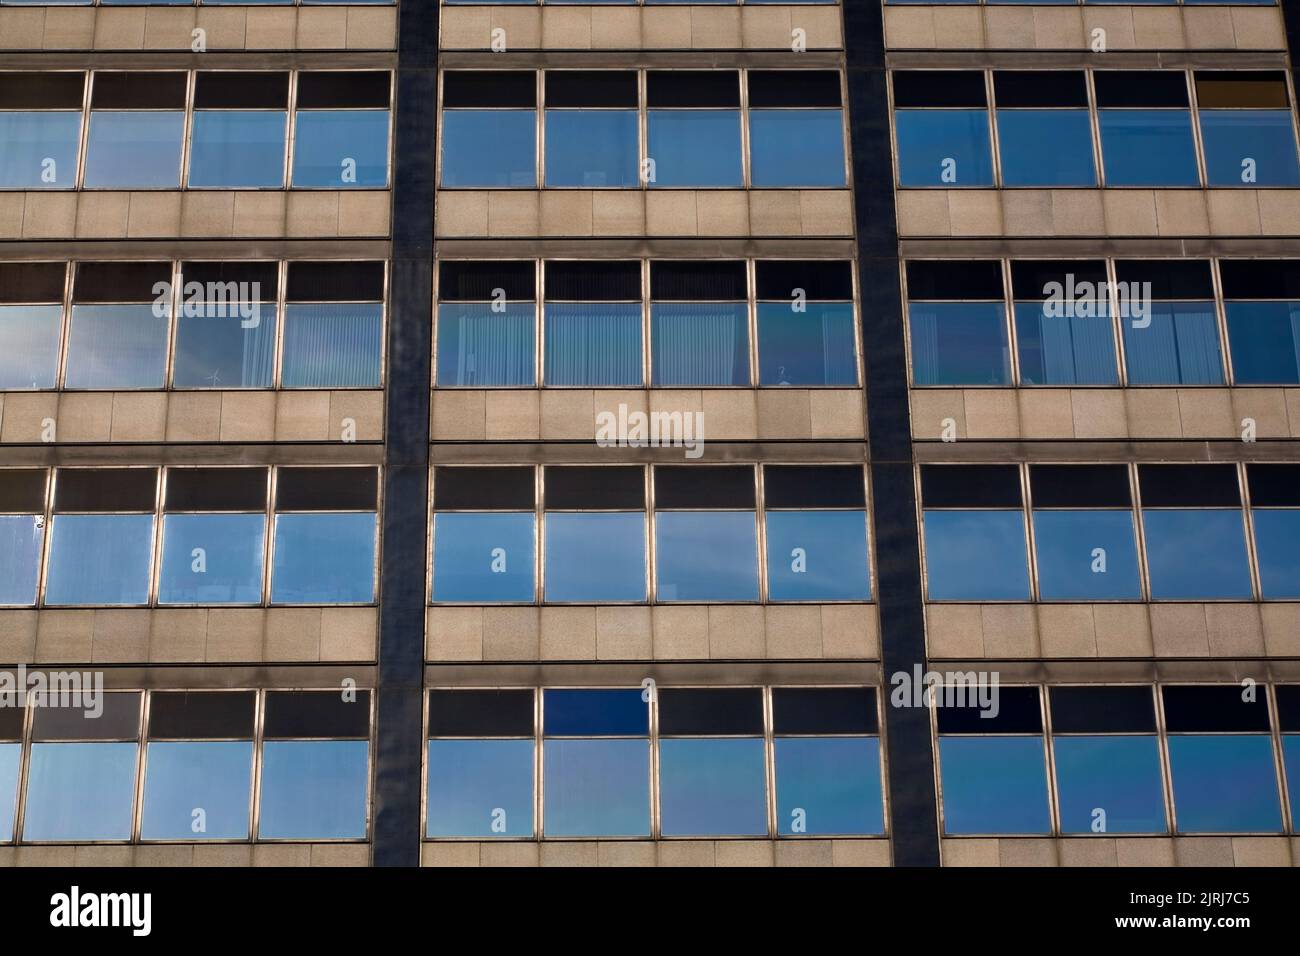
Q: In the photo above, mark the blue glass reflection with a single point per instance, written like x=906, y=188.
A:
x=959, y=343
x=1069, y=569
x=40, y=149
x=944, y=147
x=20, y=559
x=478, y=346
x=10, y=761
x=341, y=149
x=116, y=346
x=1046, y=147
x=483, y=558
x=129, y=149
x=237, y=149
x=223, y=347
x=796, y=147
x=815, y=346
x=593, y=343
x=489, y=148
x=80, y=791
x=712, y=787
x=333, y=345
x=828, y=785
x=314, y=789
x=595, y=557
x=1176, y=344
x=1277, y=546
x=704, y=343
x=1064, y=350
x=227, y=568
x=1118, y=775
x=817, y=556
x=480, y=788
x=1224, y=784
x=976, y=556
x=183, y=777
x=99, y=559
x=597, y=787
x=29, y=345
x=1148, y=148
x=591, y=148
x=324, y=559
x=706, y=556
x=592, y=713
x=1291, y=763
x=694, y=147
x=1265, y=342
x=1249, y=148
x=1196, y=554
x=994, y=785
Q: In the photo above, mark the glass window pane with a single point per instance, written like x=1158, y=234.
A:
x=828, y=785
x=1277, y=545
x=704, y=343
x=1064, y=350
x=29, y=344
x=333, y=345
x=1249, y=148
x=1176, y=344
x=712, y=787
x=341, y=149
x=1117, y=775
x=134, y=149
x=591, y=148
x=483, y=558
x=959, y=343
x=10, y=760
x=976, y=556
x=324, y=559
x=1224, y=783
x=197, y=790
x=234, y=148
x=1265, y=342
x=1193, y=553
x=694, y=147
x=593, y=343
x=20, y=561
x=1046, y=147
x=994, y=785
x=40, y=149
x=597, y=787
x=1148, y=148
x=116, y=346
x=1291, y=761
x=480, y=788
x=1069, y=565
x=706, y=556
x=796, y=147
x=817, y=556
x=212, y=559
x=489, y=148
x=944, y=147
x=595, y=557
x=223, y=348
x=314, y=789
x=80, y=791
x=479, y=346
x=815, y=346
x=99, y=559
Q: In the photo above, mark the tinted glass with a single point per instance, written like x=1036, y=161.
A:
x=817, y=556
x=80, y=791
x=712, y=786
x=1048, y=147
x=40, y=149
x=212, y=559
x=1265, y=342
x=324, y=559
x=593, y=343
x=99, y=559
x=483, y=557
x=116, y=346
x=313, y=789
x=1224, y=784
x=1148, y=147
x=237, y=148
x=1086, y=555
x=595, y=557
x=812, y=345
x=976, y=556
x=591, y=148
x=699, y=344
x=597, y=787
x=1177, y=344
x=341, y=149
x=994, y=785
x=480, y=788
x=959, y=343
x=333, y=345
x=480, y=344
x=706, y=556
x=828, y=785
x=694, y=147
x=489, y=148
x=29, y=345
x=1195, y=554
x=796, y=147
x=20, y=559
x=197, y=790
x=128, y=149
x=943, y=147
x=1119, y=776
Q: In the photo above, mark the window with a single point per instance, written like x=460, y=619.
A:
x=40, y=129
x=325, y=536
x=1175, y=340
x=341, y=130
x=225, y=325
x=81, y=772
x=1044, y=129
x=489, y=128
x=31, y=323
x=1275, y=515
x=699, y=323
x=796, y=128
x=807, y=331
x=596, y=763
x=712, y=767
x=101, y=540
x=705, y=536
x=595, y=534
x=119, y=328
x=1107, y=760
x=1064, y=334
x=974, y=533
x=1221, y=761
x=480, y=764
x=239, y=130
x=198, y=766
x=957, y=323
x=941, y=123
x=315, y=765
x=333, y=325
x=1146, y=128
x=11, y=755
x=827, y=755
x=591, y=131
x=1195, y=537
x=1084, y=538
x=1247, y=129
x=22, y=532
x=1261, y=300
x=137, y=125
x=484, y=526
x=214, y=532
x=816, y=533
x=993, y=775
x=1288, y=716
x=693, y=128
x=486, y=317
x=593, y=323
